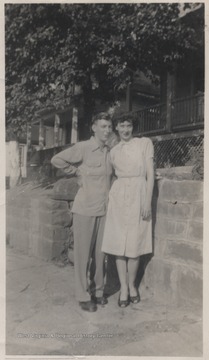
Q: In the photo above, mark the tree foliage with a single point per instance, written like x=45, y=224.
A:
x=50, y=47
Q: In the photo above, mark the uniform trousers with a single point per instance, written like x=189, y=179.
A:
x=88, y=235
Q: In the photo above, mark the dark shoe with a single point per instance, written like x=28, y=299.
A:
x=135, y=299
x=88, y=306
x=123, y=303
x=100, y=300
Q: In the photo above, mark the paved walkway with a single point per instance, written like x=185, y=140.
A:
x=43, y=318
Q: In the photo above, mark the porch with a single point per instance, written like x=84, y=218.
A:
x=177, y=131
x=181, y=114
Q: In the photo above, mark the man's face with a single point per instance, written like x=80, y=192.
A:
x=102, y=130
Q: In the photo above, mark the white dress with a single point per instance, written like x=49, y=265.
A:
x=126, y=233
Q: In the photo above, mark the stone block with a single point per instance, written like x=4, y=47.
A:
x=21, y=224
x=26, y=213
x=51, y=204
x=57, y=248
x=70, y=204
x=26, y=224
x=50, y=250
x=9, y=221
x=45, y=252
x=186, y=252
x=23, y=203
x=19, y=240
x=168, y=228
x=65, y=189
x=23, y=241
x=11, y=210
x=195, y=231
x=55, y=233
x=35, y=203
x=174, y=210
x=198, y=211
x=15, y=212
x=190, y=286
x=59, y=217
x=64, y=218
x=35, y=244
x=172, y=283
x=159, y=246
x=148, y=278
x=12, y=237
x=183, y=191
x=14, y=222
x=161, y=278
x=71, y=256
x=61, y=234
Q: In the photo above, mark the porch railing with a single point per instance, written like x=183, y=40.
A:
x=185, y=113
x=151, y=119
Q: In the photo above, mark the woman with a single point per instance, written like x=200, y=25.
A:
x=128, y=228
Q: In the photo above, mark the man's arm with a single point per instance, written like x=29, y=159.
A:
x=68, y=159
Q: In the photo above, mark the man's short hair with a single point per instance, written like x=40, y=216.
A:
x=101, y=116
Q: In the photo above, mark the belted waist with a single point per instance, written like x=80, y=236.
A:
x=130, y=176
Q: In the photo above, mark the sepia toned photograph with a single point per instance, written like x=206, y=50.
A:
x=104, y=126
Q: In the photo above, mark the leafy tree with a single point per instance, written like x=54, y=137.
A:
x=51, y=47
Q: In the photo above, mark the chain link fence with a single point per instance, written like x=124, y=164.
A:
x=181, y=151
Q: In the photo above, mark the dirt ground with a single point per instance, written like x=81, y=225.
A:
x=43, y=318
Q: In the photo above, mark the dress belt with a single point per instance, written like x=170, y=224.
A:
x=131, y=176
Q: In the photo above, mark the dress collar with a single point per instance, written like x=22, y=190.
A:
x=122, y=142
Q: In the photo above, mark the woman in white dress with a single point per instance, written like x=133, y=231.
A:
x=128, y=228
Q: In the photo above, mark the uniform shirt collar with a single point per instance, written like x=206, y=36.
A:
x=95, y=145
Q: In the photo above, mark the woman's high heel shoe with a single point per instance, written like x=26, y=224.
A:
x=123, y=303
x=135, y=299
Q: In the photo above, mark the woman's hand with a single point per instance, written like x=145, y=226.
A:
x=146, y=212
x=147, y=209
x=79, y=178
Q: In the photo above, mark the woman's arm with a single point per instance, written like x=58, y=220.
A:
x=150, y=184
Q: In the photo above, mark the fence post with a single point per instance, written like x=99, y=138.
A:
x=169, y=92
x=128, y=98
x=41, y=134
x=56, y=130
x=74, y=130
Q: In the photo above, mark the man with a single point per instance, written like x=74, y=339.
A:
x=89, y=160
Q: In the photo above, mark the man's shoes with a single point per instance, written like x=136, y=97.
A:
x=88, y=306
x=100, y=300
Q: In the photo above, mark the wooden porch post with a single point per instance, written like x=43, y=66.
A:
x=28, y=135
x=56, y=130
x=28, y=147
x=128, y=98
x=74, y=130
x=41, y=134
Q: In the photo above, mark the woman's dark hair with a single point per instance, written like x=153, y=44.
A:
x=122, y=118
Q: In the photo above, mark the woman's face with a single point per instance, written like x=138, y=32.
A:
x=125, y=130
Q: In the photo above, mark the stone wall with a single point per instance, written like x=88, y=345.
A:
x=175, y=271
x=39, y=223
